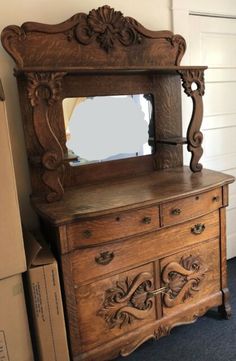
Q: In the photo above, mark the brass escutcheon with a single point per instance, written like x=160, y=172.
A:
x=198, y=228
x=176, y=211
x=104, y=258
x=147, y=220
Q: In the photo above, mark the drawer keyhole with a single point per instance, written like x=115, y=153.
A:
x=87, y=233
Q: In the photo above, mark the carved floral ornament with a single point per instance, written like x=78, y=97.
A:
x=106, y=26
x=131, y=300
x=44, y=86
x=190, y=77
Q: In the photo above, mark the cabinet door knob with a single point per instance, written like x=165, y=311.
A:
x=216, y=199
x=147, y=220
x=104, y=258
x=176, y=211
x=198, y=228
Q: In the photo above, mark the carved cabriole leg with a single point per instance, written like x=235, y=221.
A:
x=194, y=136
x=44, y=90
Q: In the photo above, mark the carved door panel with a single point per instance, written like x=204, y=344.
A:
x=190, y=276
x=113, y=306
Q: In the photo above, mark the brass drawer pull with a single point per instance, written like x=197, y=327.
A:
x=147, y=220
x=176, y=211
x=104, y=258
x=157, y=292
x=216, y=199
x=198, y=228
x=87, y=233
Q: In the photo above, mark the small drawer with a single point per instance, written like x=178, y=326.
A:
x=89, y=263
x=107, y=228
x=190, y=207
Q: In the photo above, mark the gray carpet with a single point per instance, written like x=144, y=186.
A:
x=211, y=338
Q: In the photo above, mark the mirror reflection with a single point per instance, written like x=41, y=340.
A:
x=105, y=128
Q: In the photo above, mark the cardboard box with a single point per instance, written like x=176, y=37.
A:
x=15, y=342
x=12, y=255
x=46, y=301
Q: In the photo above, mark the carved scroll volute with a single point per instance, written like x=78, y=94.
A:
x=182, y=279
x=127, y=301
x=43, y=91
x=194, y=135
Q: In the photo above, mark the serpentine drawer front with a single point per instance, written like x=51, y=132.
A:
x=107, y=228
x=96, y=261
x=190, y=207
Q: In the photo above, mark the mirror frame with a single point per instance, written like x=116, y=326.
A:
x=75, y=58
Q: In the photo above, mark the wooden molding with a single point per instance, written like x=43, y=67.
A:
x=102, y=31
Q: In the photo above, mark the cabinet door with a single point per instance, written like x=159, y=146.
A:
x=113, y=306
x=190, y=276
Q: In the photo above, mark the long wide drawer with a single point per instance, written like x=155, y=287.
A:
x=190, y=207
x=99, y=260
x=103, y=229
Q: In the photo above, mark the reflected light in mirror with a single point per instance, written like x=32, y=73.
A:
x=105, y=128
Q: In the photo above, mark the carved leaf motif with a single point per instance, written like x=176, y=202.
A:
x=182, y=279
x=106, y=26
x=189, y=77
x=45, y=86
x=127, y=301
x=163, y=330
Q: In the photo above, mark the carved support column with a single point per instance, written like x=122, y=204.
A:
x=194, y=135
x=43, y=91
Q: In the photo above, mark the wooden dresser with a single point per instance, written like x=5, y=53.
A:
x=141, y=241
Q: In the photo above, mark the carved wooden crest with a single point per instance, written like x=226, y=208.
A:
x=107, y=26
x=66, y=44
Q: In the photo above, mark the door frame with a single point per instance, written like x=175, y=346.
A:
x=181, y=9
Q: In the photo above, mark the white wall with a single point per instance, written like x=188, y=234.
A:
x=153, y=14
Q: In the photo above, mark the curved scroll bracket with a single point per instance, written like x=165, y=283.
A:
x=44, y=89
x=189, y=78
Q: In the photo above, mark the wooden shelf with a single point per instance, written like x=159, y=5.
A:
x=173, y=141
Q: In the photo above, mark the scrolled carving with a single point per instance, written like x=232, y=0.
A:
x=189, y=77
x=106, y=26
x=51, y=160
x=44, y=86
x=8, y=37
x=44, y=89
x=127, y=301
x=161, y=331
x=182, y=279
x=194, y=135
x=180, y=43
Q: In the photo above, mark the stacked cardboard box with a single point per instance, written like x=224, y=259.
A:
x=15, y=341
x=46, y=301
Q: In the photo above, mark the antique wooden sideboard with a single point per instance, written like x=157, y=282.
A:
x=141, y=241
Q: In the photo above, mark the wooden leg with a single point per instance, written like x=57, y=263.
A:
x=225, y=308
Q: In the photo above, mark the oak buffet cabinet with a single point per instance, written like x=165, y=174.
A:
x=140, y=239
